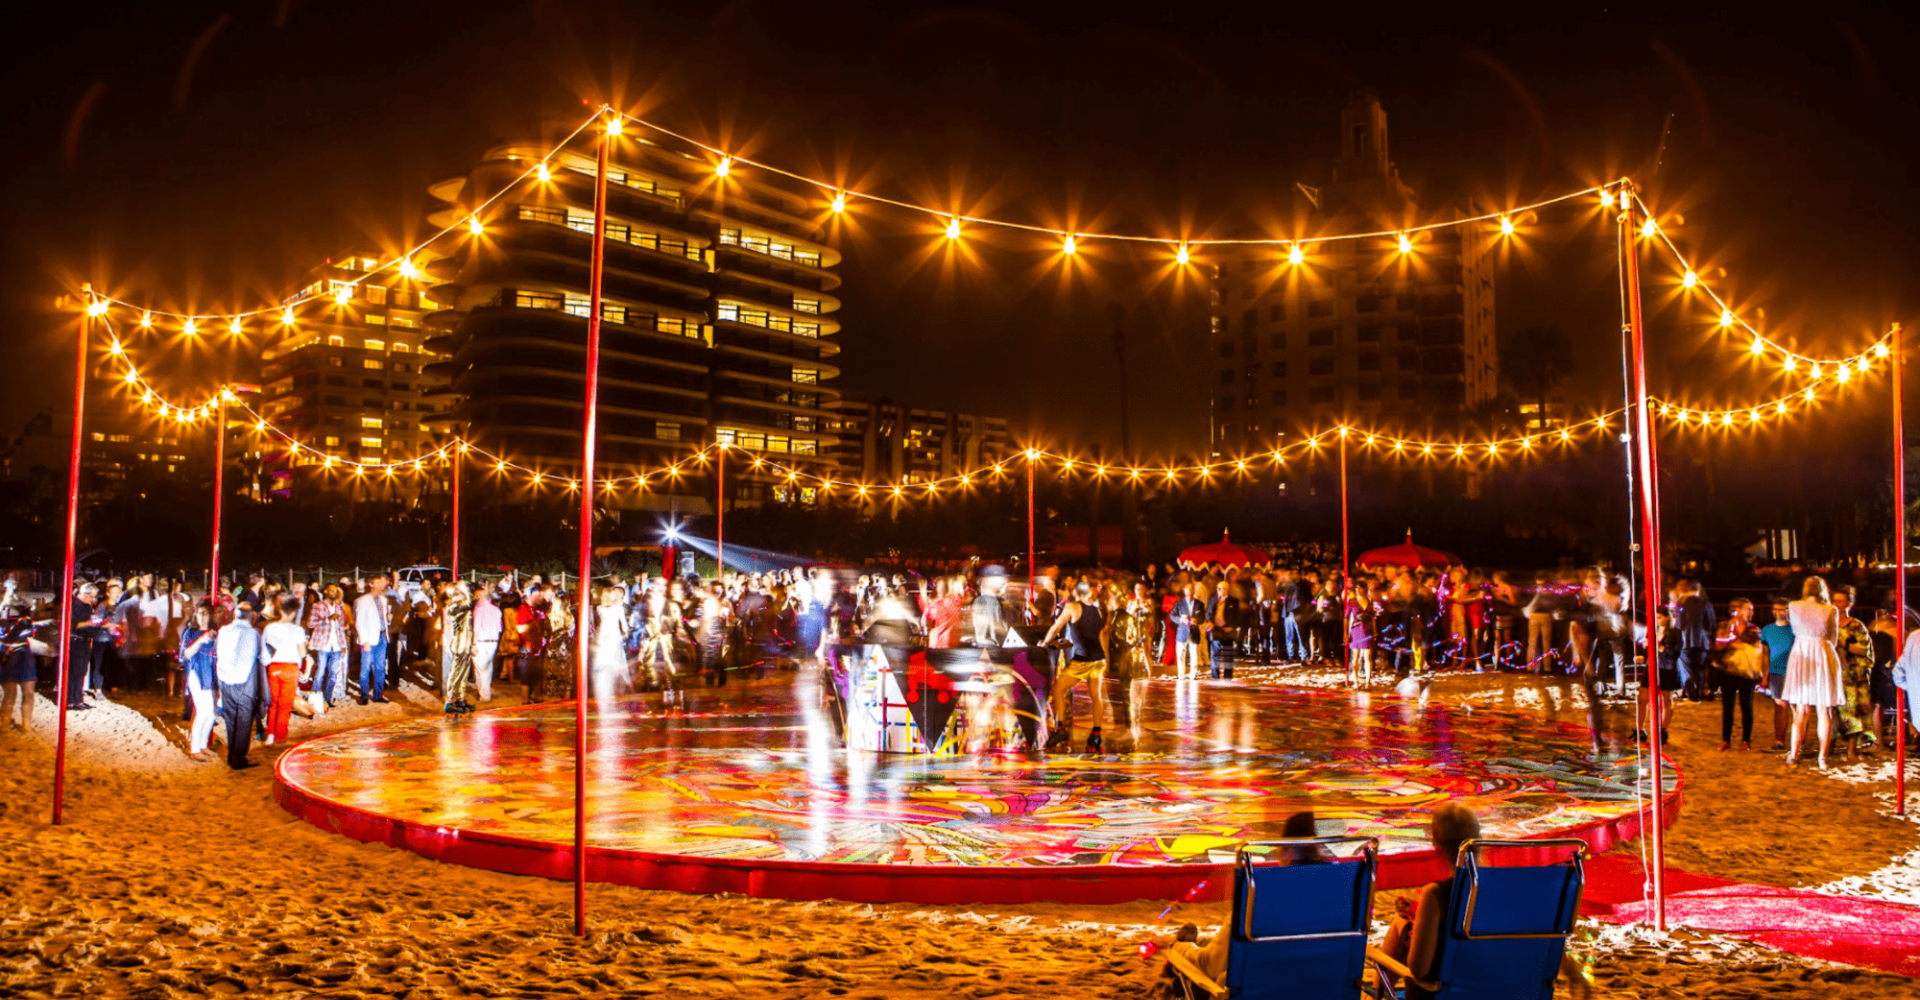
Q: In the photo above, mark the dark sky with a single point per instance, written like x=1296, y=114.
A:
x=201, y=155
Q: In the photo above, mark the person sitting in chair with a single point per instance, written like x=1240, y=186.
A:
x=1211, y=957
x=1415, y=941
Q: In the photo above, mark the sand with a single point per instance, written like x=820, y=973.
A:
x=173, y=878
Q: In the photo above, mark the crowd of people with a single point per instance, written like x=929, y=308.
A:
x=314, y=643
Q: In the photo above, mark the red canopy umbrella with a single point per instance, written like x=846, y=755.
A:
x=1224, y=553
x=1406, y=554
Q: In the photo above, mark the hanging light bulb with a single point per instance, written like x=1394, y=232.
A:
x=407, y=270
x=953, y=228
x=98, y=307
x=1813, y=371
x=544, y=173
x=131, y=377
x=1506, y=225
x=1726, y=419
x=1726, y=317
x=146, y=323
x=344, y=294
x=724, y=167
x=1845, y=374
x=286, y=316
x=1606, y=198
x=1294, y=256
x=190, y=327
x=1809, y=394
x=1780, y=407
x=1790, y=364
x=114, y=348
x=474, y=225
x=1758, y=346
x=1647, y=229
x=1069, y=246
x=613, y=124
x=1181, y=256
x=839, y=202
x=1753, y=415
x=233, y=326
x=1880, y=350
x=1406, y=245
x=1689, y=279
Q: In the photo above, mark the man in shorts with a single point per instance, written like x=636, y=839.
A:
x=1084, y=626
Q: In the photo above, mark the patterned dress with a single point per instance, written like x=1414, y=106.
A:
x=1856, y=660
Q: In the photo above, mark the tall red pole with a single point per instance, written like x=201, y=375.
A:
x=1345, y=565
x=720, y=512
x=1032, y=553
x=584, y=623
x=66, y=577
x=1899, y=575
x=1650, y=533
x=453, y=529
x=219, y=492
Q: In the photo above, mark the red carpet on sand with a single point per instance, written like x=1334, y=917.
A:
x=1869, y=933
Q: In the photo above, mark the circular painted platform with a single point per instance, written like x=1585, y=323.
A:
x=748, y=792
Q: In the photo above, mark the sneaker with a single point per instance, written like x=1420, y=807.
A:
x=1724, y=745
x=1744, y=745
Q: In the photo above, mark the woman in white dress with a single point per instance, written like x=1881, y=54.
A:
x=609, y=645
x=1814, y=672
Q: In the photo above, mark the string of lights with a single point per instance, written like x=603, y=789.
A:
x=1385, y=443
x=1759, y=344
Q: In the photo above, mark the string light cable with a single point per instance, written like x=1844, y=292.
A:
x=1728, y=319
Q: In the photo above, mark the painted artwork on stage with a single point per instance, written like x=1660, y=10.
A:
x=762, y=777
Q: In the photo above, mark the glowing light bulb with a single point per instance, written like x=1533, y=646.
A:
x=1809, y=394
x=1753, y=415
x=1845, y=374
x=344, y=295
x=327, y=462
x=544, y=173
x=233, y=326
x=1689, y=279
x=1880, y=350
x=1033, y=454
x=724, y=167
x=1459, y=451
x=407, y=270
x=474, y=225
x=1647, y=229
x=1726, y=419
x=1181, y=255
x=1506, y=226
x=839, y=202
x=953, y=229
x=1758, y=346
x=613, y=125
x=190, y=327
x=1566, y=436
x=1526, y=444
x=1726, y=317
x=536, y=478
x=98, y=307
x=1780, y=407
x=146, y=323
x=1790, y=364
x=1406, y=245
x=499, y=466
x=1606, y=198
x=1294, y=256
x=1069, y=246
x=131, y=377
x=1813, y=372
x=114, y=348
x=286, y=316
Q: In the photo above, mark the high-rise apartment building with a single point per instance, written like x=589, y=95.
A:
x=716, y=320
x=1359, y=332
x=350, y=376
x=885, y=442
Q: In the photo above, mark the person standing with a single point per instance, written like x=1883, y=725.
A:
x=1814, y=671
x=991, y=625
x=1693, y=617
x=1085, y=628
x=557, y=672
x=1743, y=665
x=1185, y=619
x=1228, y=614
x=530, y=623
x=197, y=655
x=89, y=639
x=1853, y=716
x=286, y=646
x=609, y=646
x=1778, y=638
x=456, y=646
x=19, y=667
x=488, y=627
x=371, y=620
x=327, y=624
x=243, y=687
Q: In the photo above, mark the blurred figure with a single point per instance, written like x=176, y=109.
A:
x=456, y=647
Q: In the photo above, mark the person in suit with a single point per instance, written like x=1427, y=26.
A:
x=1187, y=615
x=239, y=666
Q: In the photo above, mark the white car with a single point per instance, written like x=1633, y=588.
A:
x=408, y=580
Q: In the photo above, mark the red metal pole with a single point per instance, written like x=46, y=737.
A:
x=1345, y=564
x=720, y=512
x=453, y=529
x=219, y=494
x=1650, y=534
x=66, y=579
x=1899, y=574
x=584, y=624
x=1031, y=551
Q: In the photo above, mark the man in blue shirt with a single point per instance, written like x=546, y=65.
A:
x=1778, y=638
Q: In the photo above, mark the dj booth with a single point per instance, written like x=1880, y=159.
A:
x=911, y=699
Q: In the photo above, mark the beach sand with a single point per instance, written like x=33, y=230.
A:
x=172, y=878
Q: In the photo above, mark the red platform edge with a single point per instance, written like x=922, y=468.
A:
x=867, y=883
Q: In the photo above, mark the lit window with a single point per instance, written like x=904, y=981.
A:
x=369, y=442
x=372, y=422
x=331, y=442
x=666, y=431
x=376, y=345
x=402, y=348
x=374, y=363
x=376, y=319
x=806, y=376
x=336, y=342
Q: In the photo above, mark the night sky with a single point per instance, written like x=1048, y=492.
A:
x=201, y=156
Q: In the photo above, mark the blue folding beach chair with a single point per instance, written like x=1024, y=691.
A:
x=1506, y=928
x=1298, y=925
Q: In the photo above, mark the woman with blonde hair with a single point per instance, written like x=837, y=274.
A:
x=1814, y=670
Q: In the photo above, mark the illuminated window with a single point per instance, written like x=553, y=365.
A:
x=97, y=436
x=805, y=447
x=666, y=431
x=539, y=300
x=402, y=348
x=376, y=319
x=427, y=303
x=336, y=342
x=371, y=422
x=330, y=441
x=806, y=376
x=402, y=322
x=806, y=305
x=376, y=345
x=369, y=442
x=373, y=363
